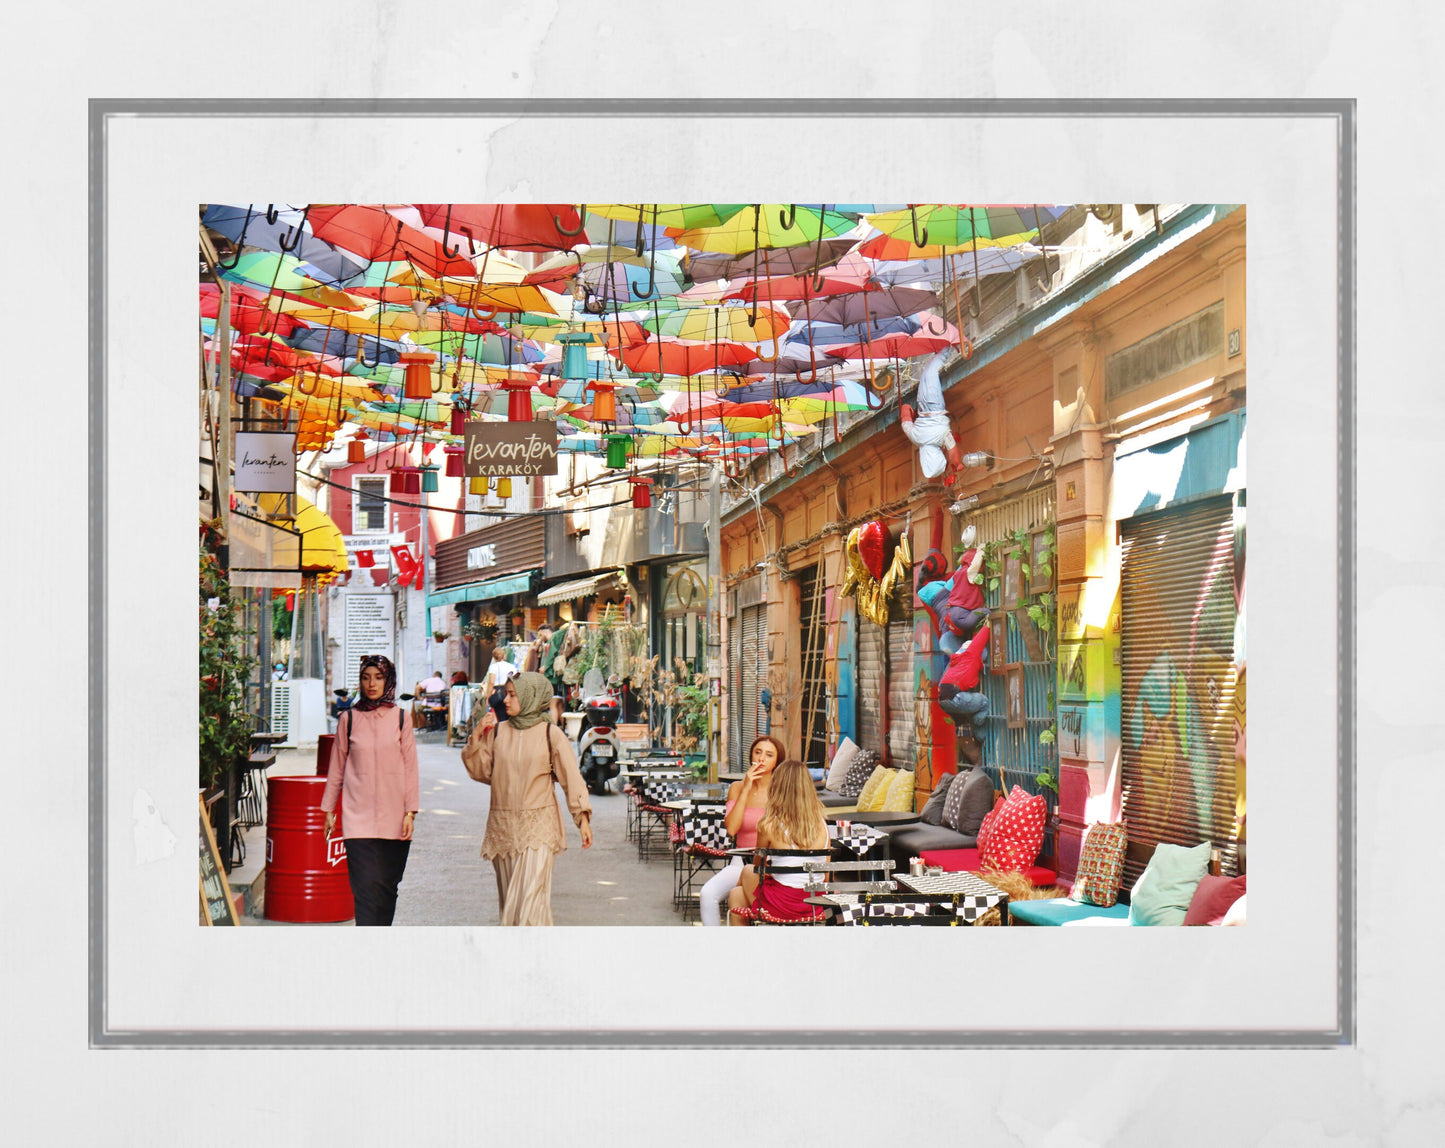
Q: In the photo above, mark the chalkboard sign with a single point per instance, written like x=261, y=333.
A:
x=217, y=907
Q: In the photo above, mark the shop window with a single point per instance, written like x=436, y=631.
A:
x=370, y=507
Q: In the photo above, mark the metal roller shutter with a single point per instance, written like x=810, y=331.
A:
x=872, y=663
x=1177, y=653
x=748, y=678
x=901, y=717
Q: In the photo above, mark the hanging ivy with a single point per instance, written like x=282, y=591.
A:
x=225, y=724
x=1042, y=608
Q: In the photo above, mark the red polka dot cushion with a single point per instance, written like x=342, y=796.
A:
x=1017, y=832
x=1101, y=865
x=985, y=829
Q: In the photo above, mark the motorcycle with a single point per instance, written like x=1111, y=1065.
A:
x=599, y=752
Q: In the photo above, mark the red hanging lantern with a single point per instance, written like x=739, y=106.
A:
x=355, y=451
x=454, y=461
x=459, y=419
x=604, y=402
x=411, y=480
x=641, y=493
x=396, y=480
x=519, y=399
x=418, y=373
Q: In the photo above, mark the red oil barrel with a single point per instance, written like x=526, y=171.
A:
x=323, y=752
x=306, y=875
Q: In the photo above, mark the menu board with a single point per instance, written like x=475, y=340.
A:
x=369, y=630
x=217, y=908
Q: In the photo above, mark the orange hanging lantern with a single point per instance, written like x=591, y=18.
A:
x=418, y=373
x=356, y=448
x=604, y=402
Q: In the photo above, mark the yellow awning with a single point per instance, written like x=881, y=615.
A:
x=323, y=550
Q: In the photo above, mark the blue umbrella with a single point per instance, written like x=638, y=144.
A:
x=248, y=224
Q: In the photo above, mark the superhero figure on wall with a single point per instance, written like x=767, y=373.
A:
x=955, y=604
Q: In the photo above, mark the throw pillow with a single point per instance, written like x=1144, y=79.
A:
x=954, y=800
x=977, y=800
x=1213, y=898
x=869, y=798
x=1162, y=894
x=985, y=828
x=1017, y=832
x=899, y=798
x=932, y=813
x=1101, y=865
x=1235, y=914
x=865, y=761
x=842, y=762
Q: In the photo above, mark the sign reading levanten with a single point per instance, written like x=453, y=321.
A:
x=265, y=463
x=510, y=449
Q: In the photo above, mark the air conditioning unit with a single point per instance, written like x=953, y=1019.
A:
x=281, y=708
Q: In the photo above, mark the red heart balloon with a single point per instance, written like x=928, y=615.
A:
x=872, y=541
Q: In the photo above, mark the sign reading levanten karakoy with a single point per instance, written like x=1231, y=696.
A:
x=510, y=449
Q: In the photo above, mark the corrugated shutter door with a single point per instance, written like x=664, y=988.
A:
x=869, y=686
x=901, y=718
x=1177, y=653
x=750, y=661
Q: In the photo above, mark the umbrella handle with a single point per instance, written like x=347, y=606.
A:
x=1048, y=280
x=818, y=251
x=935, y=331
x=451, y=252
x=652, y=263
x=581, y=224
x=240, y=243
x=965, y=346
x=773, y=358
x=272, y=215
x=294, y=234
x=918, y=240
x=787, y=218
x=361, y=356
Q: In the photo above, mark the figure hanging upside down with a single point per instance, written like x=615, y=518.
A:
x=930, y=430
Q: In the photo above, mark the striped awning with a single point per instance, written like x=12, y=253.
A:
x=571, y=591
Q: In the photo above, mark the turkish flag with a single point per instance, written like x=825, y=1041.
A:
x=365, y=558
x=407, y=566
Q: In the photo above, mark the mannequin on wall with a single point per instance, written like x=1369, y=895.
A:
x=958, y=693
x=965, y=596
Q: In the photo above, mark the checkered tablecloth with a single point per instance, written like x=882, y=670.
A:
x=975, y=895
x=702, y=824
x=663, y=785
x=859, y=838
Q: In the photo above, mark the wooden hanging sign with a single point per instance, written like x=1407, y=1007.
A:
x=217, y=908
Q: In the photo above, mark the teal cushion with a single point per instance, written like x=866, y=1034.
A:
x=1061, y=911
x=1163, y=892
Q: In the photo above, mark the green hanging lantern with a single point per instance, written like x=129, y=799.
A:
x=574, y=354
x=617, y=451
x=429, y=479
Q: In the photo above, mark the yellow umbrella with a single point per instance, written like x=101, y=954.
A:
x=327, y=387
x=766, y=225
x=685, y=215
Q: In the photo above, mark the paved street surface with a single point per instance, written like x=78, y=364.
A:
x=448, y=883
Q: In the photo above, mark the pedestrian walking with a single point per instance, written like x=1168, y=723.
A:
x=373, y=776
x=522, y=759
x=498, y=674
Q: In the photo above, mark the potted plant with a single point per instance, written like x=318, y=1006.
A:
x=440, y=635
x=225, y=724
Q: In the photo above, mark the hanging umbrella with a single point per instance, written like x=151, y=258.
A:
x=249, y=313
x=513, y=226
x=669, y=358
x=899, y=345
x=273, y=272
x=735, y=324
x=625, y=283
x=821, y=334
x=867, y=306
x=377, y=234
x=989, y=261
x=959, y=225
x=674, y=216
x=274, y=228
x=766, y=225
x=775, y=261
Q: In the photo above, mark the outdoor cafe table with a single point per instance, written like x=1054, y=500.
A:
x=977, y=896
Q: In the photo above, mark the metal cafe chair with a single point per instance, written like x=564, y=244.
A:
x=702, y=850
x=775, y=862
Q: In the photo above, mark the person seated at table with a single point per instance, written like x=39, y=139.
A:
x=460, y=678
x=793, y=820
x=746, y=801
x=434, y=684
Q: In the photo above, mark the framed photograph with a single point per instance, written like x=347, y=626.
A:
x=1039, y=556
x=1013, y=579
x=1014, y=695
x=997, y=642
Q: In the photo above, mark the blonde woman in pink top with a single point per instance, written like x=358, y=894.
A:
x=745, y=804
x=372, y=775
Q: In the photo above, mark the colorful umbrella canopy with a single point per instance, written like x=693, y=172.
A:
x=511, y=226
x=765, y=225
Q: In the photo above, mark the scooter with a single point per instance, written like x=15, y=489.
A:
x=598, y=750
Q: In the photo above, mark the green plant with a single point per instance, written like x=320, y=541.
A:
x=225, y=724
x=1041, y=608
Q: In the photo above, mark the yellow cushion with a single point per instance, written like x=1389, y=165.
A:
x=900, y=793
x=875, y=789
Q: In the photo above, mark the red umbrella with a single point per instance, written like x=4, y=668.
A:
x=850, y=276
x=249, y=314
x=671, y=358
x=514, y=226
x=896, y=346
x=379, y=235
x=716, y=409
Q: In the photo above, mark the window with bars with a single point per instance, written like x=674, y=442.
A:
x=369, y=516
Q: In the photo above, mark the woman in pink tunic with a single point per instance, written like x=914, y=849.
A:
x=372, y=775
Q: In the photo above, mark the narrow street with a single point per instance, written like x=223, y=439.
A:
x=447, y=881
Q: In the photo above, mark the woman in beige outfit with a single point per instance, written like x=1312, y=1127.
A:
x=521, y=760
